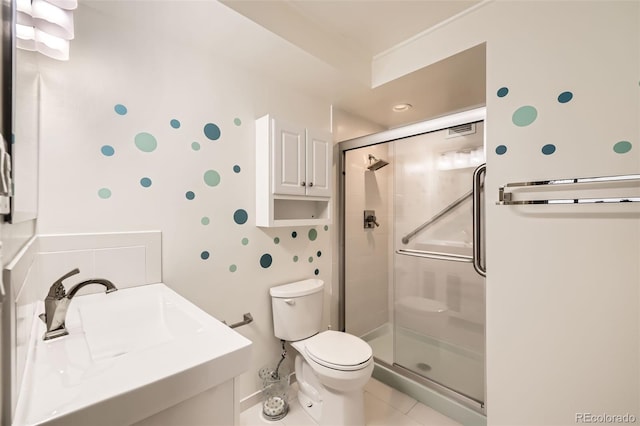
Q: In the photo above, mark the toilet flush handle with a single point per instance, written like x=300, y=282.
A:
x=290, y=302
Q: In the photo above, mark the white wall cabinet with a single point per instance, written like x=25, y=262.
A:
x=293, y=174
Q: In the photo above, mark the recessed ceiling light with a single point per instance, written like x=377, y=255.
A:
x=401, y=107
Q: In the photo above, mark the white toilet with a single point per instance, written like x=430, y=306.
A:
x=331, y=367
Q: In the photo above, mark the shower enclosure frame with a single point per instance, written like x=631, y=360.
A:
x=432, y=125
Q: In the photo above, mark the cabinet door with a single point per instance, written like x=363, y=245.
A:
x=319, y=161
x=288, y=159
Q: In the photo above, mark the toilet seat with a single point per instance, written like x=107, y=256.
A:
x=339, y=351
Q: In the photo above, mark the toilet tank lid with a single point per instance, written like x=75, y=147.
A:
x=298, y=288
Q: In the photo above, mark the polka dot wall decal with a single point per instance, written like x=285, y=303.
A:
x=104, y=193
x=294, y=234
x=195, y=146
x=146, y=182
x=245, y=241
x=212, y=131
x=146, y=142
x=501, y=149
x=240, y=216
x=565, y=97
x=233, y=268
x=205, y=220
x=266, y=260
x=310, y=259
x=524, y=116
x=236, y=168
x=190, y=195
x=502, y=92
x=622, y=147
x=107, y=150
x=295, y=258
x=204, y=255
x=237, y=121
x=319, y=253
x=326, y=227
x=316, y=272
x=120, y=109
x=276, y=240
x=313, y=234
x=175, y=123
x=211, y=178
x=548, y=149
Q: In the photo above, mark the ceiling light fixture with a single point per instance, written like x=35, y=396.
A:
x=401, y=107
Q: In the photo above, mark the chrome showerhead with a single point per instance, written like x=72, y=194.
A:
x=375, y=163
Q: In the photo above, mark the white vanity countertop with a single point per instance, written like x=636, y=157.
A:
x=129, y=354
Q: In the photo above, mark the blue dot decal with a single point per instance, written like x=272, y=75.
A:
x=104, y=193
x=319, y=253
x=294, y=234
x=190, y=195
x=175, y=123
x=204, y=255
x=565, y=97
x=146, y=182
x=120, y=109
x=548, y=149
x=240, y=216
x=107, y=150
x=501, y=149
x=622, y=147
x=502, y=92
x=265, y=260
x=316, y=272
x=524, y=116
x=212, y=131
x=236, y=168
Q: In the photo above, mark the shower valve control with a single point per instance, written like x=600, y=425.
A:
x=370, y=220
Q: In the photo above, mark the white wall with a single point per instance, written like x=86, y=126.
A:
x=562, y=283
x=117, y=61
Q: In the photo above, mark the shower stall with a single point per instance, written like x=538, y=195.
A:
x=412, y=260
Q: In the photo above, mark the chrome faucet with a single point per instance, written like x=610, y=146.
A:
x=57, y=302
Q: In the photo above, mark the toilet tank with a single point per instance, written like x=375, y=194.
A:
x=297, y=309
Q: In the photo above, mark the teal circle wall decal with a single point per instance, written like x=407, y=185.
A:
x=622, y=147
x=295, y=258
x=146, y=142
x=240, y=216
x=524, y=116
x=310, y=259
x=107, y=150
x=316, y=272
x=319, y=253
x=501, y=149
x=175, y=123
x=233, y=268
x=565, y=97
x=245, y=241
x=502, y=92
x=294, y=234
x=145, y=182
x=313, y=234
x=104, y=193
x=211, y=178
x=195, y=146
x=326, y=227
x=120, y=109
x=204, y=255
x=212, y=131
x=236, y=168
x=548, y=149
x=190, y=195
x=266, y=260
x=276, y=240
x=205, y=220
x=237, y=121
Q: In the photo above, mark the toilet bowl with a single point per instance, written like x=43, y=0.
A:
x=331, y=367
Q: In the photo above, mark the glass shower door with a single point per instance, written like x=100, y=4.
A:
x=439, y=298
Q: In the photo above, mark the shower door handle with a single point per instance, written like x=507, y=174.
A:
x=477, y=220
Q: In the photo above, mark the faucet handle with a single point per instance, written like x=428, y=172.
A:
x=57, y=291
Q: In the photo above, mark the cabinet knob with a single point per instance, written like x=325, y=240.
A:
x=310, y=183
x=303, y=183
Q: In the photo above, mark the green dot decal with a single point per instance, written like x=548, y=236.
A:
x=237, y=121
x=146, y=142
x=205, y=220
x=326, y=227
x=195, y=146
x=276, y=240
x=120, y=109
x=240, y=216
x=175, y=123
x=107, y=150
x=548, y=149
x=316, y=272
x=245, y=241
x=622, y=147
x=145, y=182
x=310, y=259
x=233, y=268
x=190, y=195
x=295, y=258
x=266, y=260
x=501, y=149
x=236, y=168
x=502, y=92
x=565, y=97
x=212, y=131
x=104, y=193
x=524, y=116
x=313, y=234
x=204, y=255
x=211, y=178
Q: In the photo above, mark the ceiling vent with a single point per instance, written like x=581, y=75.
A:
x=461, y=130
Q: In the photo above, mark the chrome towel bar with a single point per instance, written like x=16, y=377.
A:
x=436, y=255
x=506, y=198
x=246, y=319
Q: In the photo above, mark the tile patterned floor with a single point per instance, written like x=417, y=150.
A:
x=384, y=406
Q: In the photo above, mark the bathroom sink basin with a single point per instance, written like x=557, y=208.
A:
x=129, y=354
